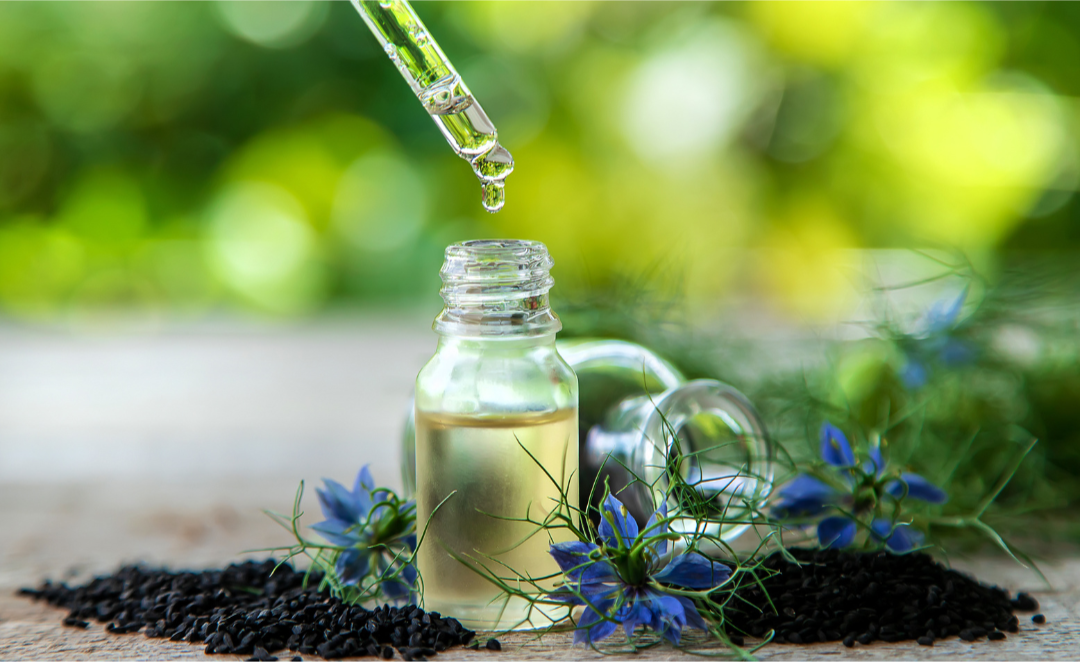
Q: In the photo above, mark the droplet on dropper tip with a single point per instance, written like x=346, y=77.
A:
x=493, y=196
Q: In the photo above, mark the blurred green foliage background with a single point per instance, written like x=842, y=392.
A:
x=198, y=156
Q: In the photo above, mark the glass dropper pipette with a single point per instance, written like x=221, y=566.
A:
x=443, y=94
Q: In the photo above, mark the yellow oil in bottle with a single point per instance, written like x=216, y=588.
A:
x=480, y=460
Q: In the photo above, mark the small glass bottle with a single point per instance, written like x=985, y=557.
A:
x=495, y=389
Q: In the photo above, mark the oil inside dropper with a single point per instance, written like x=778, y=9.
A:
x=443, y=94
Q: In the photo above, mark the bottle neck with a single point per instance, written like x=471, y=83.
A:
x=496, y=289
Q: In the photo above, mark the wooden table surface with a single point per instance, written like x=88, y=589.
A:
x=162, y=447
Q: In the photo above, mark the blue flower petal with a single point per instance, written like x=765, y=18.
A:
x=807, y=487
x=409, y=573
x=573, y=559
x=694, y=571
x=337, y=502
x=917, y=488
x=693, y=618
x=942, y=315
x=900, y=538
x=672, y=616
x=335, y=533
x=654, y=529
x=396, y=589
x=914, y=374
x=352, y=565
x=836, y=532
x=624, y=523
x=955, y=352
x=364, y=481
x=590, y=628
x=835, y=449
x=904, y=538
x=636, y=613
x=804, y=496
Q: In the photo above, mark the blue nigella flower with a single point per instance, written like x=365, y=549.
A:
x=935, y=343
x=622, y=579
x=862, y=487
x=374, y=529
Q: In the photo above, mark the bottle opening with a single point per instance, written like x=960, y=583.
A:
x=495, y=287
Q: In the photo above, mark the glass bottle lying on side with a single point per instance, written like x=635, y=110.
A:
x=640, y=418
x=495, y=408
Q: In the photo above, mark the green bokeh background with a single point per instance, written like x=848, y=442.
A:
x=197, y=157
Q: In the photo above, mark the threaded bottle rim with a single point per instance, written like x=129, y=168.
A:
x=496, y=287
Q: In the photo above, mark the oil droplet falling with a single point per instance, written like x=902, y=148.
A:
x=491, y=169
x=493, y=196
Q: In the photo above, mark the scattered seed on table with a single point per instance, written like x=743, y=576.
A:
x=1038, y=618
x=493, y=645
x=75, y=622
x=1025, y=602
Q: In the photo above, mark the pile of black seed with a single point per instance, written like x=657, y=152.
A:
x=833, y=595
x=243, y=610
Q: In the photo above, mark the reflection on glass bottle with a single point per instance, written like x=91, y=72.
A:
x=639, y=417
x=495, y=409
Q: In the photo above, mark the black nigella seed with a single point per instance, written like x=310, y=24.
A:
x=1038, y=618
x=849, y=640
x=240, y=609
x=296, y=658
x=925, y=641
x=995, y=636
x=737, y=640
x=493, y=645
x=1025, y=602
x=861, y=597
